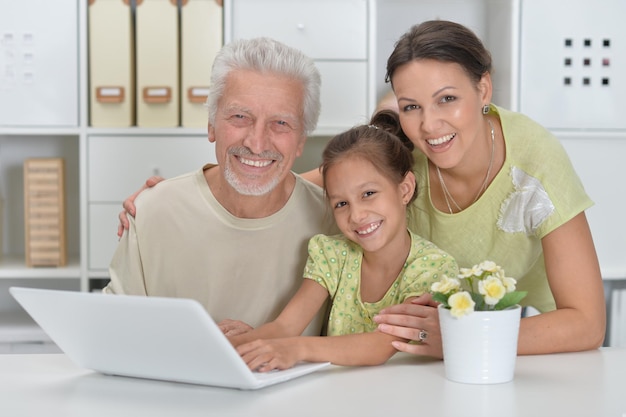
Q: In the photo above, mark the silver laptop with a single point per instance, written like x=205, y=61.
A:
x=170, y=339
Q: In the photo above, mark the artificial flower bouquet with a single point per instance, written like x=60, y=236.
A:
x=483, y=287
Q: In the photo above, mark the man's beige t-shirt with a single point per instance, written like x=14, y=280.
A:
x=183, y=243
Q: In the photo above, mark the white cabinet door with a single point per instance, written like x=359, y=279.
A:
x=343, y=94
x=322, y=29
x=598, y=159
x=118, y=166
x=38, y=63
x=335, y=33
x=102, y=239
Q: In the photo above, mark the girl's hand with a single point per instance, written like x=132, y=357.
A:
x=408, y=320
x=267, y=355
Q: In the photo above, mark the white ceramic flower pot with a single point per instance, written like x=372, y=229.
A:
x=480, y=348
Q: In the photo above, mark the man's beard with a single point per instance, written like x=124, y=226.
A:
x=240, y=184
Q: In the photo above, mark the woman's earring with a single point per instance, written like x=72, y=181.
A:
x=486, y=109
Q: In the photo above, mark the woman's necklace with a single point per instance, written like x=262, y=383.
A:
x=446, y=193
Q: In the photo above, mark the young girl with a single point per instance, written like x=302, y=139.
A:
x=375, y=263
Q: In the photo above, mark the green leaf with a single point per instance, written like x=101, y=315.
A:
x=480, y=302
x=510, y=299
x=441, y=298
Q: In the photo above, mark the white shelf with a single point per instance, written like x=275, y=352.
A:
x=98, y=274
x=12, y=267
x=613, y=274
x=140, y=131
x=39, y=131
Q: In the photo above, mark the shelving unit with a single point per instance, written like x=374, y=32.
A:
x=123, y=167
x=105, y=165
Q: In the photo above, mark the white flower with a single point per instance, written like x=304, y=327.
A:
x=483, y=287
x=492, y=289
x=488, y=266
x=461, y=304
x=446, y=285
x=509, y=283
x=474, y=271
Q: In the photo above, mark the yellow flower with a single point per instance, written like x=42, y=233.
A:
x=461, y=304
x=446, y=285
x=493, y=289
x=483, y=287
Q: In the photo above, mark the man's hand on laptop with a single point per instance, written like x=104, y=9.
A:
x=233, y=327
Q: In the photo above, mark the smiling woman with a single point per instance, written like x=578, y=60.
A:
x=489, y=189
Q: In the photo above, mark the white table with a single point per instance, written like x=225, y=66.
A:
x=576, y=384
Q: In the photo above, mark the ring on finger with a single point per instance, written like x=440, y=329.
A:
x=422, y=336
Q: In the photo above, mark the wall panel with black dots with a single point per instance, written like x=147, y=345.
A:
x=573, y=63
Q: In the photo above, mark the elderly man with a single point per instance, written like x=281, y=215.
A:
x=234, y=235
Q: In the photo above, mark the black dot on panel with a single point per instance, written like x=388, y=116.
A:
x=568, y=42
x=606, y=43
x=567, y=81
x=586, y=81
x=568, y=62
x=587, y=62
x=587, y=42
x=605, y=81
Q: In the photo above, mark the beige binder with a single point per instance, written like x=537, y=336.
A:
x=201, y=39
x=111, y=77
x=156, y=23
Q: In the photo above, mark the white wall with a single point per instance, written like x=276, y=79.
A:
x=394, y=17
